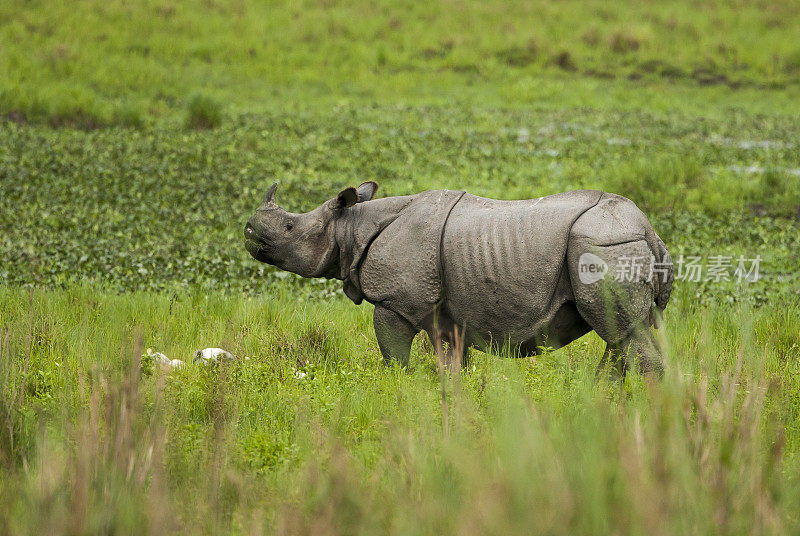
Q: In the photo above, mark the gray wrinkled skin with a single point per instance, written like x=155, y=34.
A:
x=502, y=272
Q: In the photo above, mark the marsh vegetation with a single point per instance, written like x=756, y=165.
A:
x=136, y=139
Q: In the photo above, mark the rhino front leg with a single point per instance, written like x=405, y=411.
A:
x=394, y=333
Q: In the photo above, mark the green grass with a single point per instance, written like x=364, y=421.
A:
x=136, y=138
x=529, y=445
x=90, y=63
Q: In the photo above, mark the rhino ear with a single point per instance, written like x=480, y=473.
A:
x=271, y=193
x=366, y=191
x=346, y=198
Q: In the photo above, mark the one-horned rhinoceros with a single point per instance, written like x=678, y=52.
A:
x=529, y=274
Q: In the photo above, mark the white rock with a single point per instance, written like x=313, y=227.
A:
x=212, y=356
x=158, y=357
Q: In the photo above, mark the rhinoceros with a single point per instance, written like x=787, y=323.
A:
x=528, y=275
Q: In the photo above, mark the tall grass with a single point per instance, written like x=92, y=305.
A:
x=108, y=443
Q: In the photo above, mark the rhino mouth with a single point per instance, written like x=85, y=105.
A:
x=258, y=250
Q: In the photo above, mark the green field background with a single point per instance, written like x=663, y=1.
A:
x=96, y=62
x=136, y=139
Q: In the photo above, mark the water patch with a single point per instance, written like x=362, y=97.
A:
x=750, y=144
x=570, y=128
x=745, y=170
x=763, y=144
x=547, y=130
x=618, y=141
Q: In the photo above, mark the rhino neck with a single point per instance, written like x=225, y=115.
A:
x=356, y=230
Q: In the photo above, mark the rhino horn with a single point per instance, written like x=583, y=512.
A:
x=271, y=193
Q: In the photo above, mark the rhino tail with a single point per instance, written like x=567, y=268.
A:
x=663, y=276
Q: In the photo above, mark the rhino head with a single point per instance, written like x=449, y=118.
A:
x=302, y=243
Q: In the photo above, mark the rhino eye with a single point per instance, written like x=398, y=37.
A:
x=289, y=226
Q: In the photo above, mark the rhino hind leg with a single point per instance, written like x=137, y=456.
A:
x=612, y=364
x=639, y=349
x=395, y=335
x=618, y=304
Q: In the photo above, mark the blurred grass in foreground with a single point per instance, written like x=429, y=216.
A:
x=105, y=443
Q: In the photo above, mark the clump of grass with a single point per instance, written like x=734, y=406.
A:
x=791, y=63
x=129, y=114
x=621, y=43
x=591, y=37
x=779, y=191
x=203, y=112
x=520, y=56
x=313, y=344
x=74, y=107
x=564, y=61
x=661, y=68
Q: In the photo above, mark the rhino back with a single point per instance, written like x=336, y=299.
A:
x=502, y=262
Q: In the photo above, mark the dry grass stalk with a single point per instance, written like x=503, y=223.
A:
x=16, y=398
